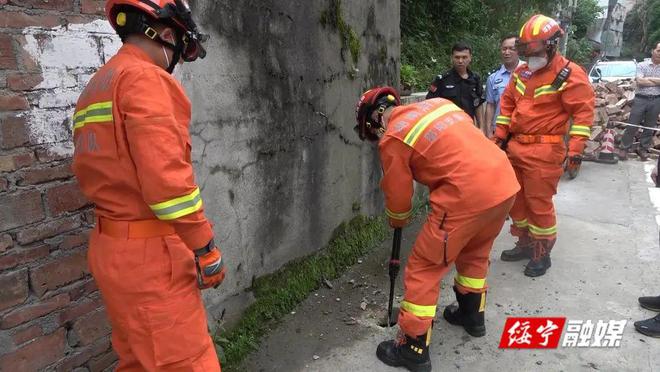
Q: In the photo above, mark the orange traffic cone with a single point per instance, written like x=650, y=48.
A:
x=606, y=151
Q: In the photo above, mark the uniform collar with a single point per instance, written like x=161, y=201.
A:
x=469, y=72
x=135, y=52
x=503, y=69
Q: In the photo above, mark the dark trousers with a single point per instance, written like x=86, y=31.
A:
x=645, y=111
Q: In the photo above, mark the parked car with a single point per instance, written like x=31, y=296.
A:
x=613, y=70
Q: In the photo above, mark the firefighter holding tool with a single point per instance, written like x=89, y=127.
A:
x=534, y=118
x=472, y=187
x=152, y=249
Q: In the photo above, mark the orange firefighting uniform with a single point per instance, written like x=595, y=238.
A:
x=537, y=116
x=471, y=187
x=132, y=159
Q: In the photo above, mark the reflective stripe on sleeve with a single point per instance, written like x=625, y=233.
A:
x=580, y=130
x=178, y=207
x=398, y=216
x=99, y=112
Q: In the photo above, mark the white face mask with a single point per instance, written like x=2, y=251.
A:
x=536, y=63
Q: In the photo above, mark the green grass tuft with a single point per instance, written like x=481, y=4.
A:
x=279, y=293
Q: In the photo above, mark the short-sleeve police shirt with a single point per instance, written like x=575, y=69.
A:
x=465, y=93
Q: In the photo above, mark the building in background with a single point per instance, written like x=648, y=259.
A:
x=608, y=30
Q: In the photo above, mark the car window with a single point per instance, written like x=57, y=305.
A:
x=618, y=69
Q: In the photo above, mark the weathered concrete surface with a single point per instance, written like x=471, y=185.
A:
x=606, y=256
x=273, y=110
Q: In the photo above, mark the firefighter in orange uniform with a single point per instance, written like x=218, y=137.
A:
x=535, y=110
x=472, y=187
x=152, y=248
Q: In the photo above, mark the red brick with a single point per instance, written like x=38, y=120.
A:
x=13, y=102
x=75, y=241
x=37, y=354
x=63, y=270
x=102, y=362
x=14, y=289
x=6, y=242
x=92, y=7
x=13, y=132
x=36, y=176
x=19, y=209
x=82, y=355
x=19, y=81
x=82, y=289
x=10, y=163
x=7, y=57
x=19, y=256
x=75, y=311
x=63, y=198
x=89, y=328
x=28, y=312
x=27, y=334
x=61, y=5
x=47, y=230
x=46, y=156
x=80, y=19
x=23, y=58
x=22, y=20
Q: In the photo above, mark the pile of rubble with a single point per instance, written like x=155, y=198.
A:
x=613, y=101
x=613, y=104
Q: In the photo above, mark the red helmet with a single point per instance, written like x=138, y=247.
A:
x=378, y=98
x=537, y=33
x=173, y=12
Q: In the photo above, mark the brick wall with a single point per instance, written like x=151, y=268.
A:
x=51, y=314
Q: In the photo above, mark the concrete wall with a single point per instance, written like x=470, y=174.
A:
x=274, y=152
x=276, y=156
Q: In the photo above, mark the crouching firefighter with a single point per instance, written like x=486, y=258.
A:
x=152, y=249
x=536, y=108
x=472, y=187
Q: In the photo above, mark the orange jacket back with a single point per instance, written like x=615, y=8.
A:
x=132, y=146
x=435, y=143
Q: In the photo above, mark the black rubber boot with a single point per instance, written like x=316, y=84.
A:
x=651, y=303
x=649, y=327
x=406, y=351
x=522, y=250
x=540, y=261
x=469, y=313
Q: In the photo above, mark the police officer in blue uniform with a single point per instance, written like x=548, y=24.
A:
x=499, y=79
x=459, y=85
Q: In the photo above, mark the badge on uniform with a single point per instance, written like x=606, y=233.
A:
x=526, y=74
x=497, y=81
x=449, y=86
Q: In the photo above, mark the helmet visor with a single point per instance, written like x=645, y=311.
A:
x=528, y=49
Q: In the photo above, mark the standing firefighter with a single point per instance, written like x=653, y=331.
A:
x=152, y=246
x=472, y=187
x=535, y=110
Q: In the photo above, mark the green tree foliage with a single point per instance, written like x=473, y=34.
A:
x=641, y=31
x=429, y=28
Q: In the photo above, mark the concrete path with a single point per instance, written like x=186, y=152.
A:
x=606, y=256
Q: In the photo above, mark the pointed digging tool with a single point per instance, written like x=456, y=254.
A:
x=394, y=271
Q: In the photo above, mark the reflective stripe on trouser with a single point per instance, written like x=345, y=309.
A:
x=146, y=285
x=468, y=246
x=534, y=203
